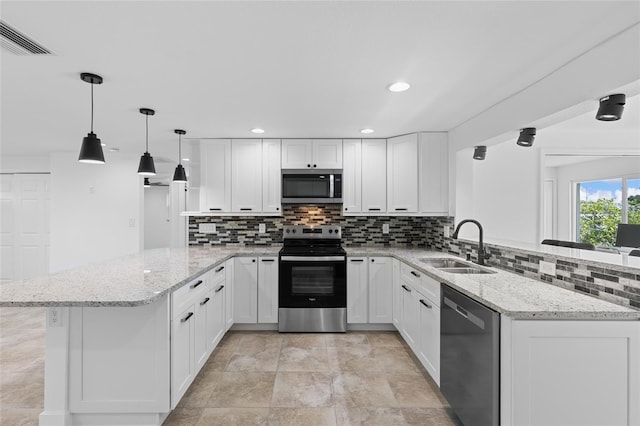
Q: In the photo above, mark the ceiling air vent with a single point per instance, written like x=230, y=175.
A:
x=18, y=43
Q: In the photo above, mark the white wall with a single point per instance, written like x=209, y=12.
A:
x=95, y=210
x=157, y=216
x=502, y=192
x=35, y=164
x=567, y=176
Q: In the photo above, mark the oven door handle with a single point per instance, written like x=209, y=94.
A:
x=312, y=258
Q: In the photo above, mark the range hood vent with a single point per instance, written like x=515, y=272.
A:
x=19, y=44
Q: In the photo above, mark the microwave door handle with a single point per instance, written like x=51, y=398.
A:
x=331, y=186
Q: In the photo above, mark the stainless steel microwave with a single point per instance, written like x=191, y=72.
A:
x=304, y=186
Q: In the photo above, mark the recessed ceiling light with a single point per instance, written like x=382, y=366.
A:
x=257, y=130
x=399, y=86
x=367, y=131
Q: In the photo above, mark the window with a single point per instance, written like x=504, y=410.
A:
x=602, y=205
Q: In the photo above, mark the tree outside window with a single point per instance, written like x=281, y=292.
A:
x=603, y=205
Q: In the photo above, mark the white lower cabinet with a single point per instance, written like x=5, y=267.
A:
x=410, y=316
x=183, y=369
x=268, y=289
x=397, y=295
x=429, y=338
x=369, y=290
x=228, y=294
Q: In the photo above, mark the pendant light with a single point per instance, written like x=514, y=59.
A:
x=146, y=184
x=91, y=150
x=527, y=135
x=146, y=167
x=179, y=175
x=611, y=107
x=479, y=152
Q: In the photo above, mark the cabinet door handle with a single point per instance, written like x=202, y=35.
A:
x=415, y=274
x=219, y=289
x=315, y=165
x=185, y=319
x=219, y=269
x=401, y=209
x=357, y=260
x=425, y=303
x=277, y=208
x=253, y=261
x=196, y=284
x=406, y=288
x=267, y=260
x=215, y=209
x=374, y=209
x=373, y=260
x=308, y=165
x=345, y=209
x=245, y=209
x=204, y=302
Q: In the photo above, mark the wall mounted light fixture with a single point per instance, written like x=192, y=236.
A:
x=479, y=152
x=527, y=136
x=611, y=107
x=91, y=150
x=179, y=175
x=146, y=167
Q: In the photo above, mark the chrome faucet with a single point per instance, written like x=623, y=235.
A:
x=482, y=254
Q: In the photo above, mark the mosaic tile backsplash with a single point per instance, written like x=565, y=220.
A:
x=603, y=281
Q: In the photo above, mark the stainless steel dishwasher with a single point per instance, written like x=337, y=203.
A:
x=470, y=358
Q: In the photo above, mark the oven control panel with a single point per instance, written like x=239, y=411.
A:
x=325, y=232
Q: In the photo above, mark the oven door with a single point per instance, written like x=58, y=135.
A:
x=313, y=281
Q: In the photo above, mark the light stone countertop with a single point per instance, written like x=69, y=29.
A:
x=510, y=294
x=133, y=280
x=124, y=282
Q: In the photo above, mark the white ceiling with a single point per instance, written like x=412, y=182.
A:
x=296, y=69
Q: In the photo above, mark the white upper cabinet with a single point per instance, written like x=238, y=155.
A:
x=352, y=176
x=374, y=175
x=271, y=176
x=215, y=176
x=433, y=174
x=309, y=154
x=246, y=181
x=327, y=153
x=402, y=174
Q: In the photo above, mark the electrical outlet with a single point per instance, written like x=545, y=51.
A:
x=385, y=228
x=446, y=231
x=548, y=268
x=132, y=223
x=262, y=228
x=55, y=317
x=207, y=228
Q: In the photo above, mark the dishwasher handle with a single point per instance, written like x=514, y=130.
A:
x=464, y=313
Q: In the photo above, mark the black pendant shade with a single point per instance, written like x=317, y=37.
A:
x=611, y=107
x=527, y=135
x=179, y=175
x=479, y=152
x=91, y=150
x=146, y=167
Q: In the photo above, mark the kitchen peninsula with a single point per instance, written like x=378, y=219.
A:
x=112, y=329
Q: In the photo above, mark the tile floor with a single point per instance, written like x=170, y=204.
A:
x=256, y=378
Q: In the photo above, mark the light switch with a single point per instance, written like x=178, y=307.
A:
x=548, y=268
x=207, y=228
x=446, y=231
x=262, y=228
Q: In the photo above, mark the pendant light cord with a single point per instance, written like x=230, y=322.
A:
x=147, y=144
x=91, y=107
x=179, y=149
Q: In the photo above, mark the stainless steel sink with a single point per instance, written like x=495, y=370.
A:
x=444, y=263
x=470, y=270
x=454, y=266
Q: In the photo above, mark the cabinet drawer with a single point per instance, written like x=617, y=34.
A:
x=410, y=275
x=185, y=295
x=430, y=288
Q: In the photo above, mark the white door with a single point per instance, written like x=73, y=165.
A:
x=296, y=154
x=7, y=229
x=380, y=290
x=245, y=290
x=215, y=176
x=327, y=154
x=157, y=217
x=271, y=176
x=402, y=174
x=374, y=175
x=246, y=181
x=268, y=289
x=352, y=176
x=357, y=290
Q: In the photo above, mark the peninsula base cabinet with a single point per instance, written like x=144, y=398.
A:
x=569, y=373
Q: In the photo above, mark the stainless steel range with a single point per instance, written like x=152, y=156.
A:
x=313, y=280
